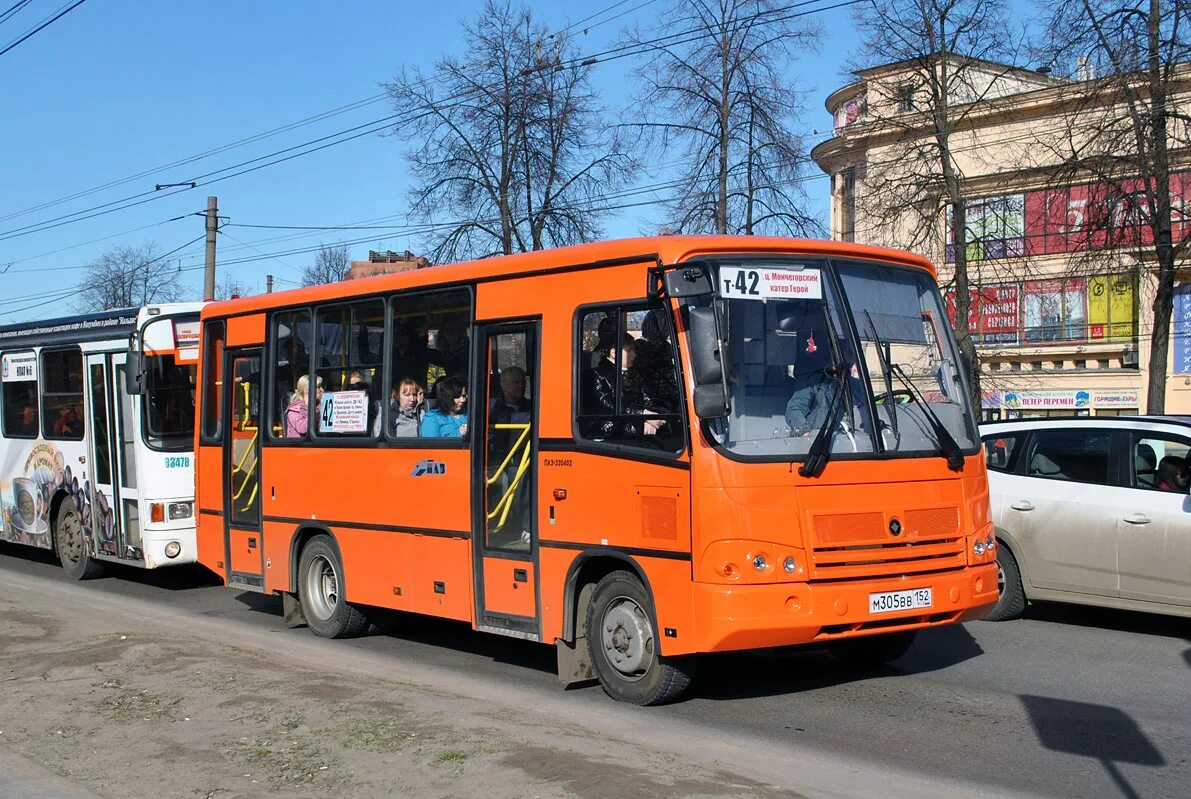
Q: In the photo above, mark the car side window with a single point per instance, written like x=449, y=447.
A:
x=999, y=450
x=1081, y=456
x=1160, y=463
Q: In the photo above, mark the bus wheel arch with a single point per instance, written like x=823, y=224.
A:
x=322, y=590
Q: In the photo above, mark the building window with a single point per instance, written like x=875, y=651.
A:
x=848, y=206
x=1036, y=366
x=905, y=98
x=1015, y=366
x=1081, y=364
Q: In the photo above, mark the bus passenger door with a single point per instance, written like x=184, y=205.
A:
x=126, y=432
x=243, y=539
x=100, y=518
x=504, y=412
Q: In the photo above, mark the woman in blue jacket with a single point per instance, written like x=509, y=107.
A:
x=449, y=419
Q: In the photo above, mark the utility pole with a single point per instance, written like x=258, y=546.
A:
x=268, y=284
x=212, y=226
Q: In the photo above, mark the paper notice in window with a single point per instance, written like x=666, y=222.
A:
x=765, y=283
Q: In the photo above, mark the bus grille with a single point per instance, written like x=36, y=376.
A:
x=853, y=546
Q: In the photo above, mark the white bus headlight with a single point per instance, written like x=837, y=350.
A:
x=181, y=510
x=173, y=549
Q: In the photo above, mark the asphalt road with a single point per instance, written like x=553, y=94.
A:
x=1067, y=702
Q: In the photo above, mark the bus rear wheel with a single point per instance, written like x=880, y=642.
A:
x=71, y=545
x=873, y=650
x=320, y=590
x=623, y=643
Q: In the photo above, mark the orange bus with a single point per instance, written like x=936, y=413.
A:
x=637, y=450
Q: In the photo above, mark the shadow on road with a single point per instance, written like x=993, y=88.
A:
x=170, y=578
x=1102, y=733
x=796, y=669
x=1110, y=619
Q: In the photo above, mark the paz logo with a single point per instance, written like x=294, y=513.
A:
x=429, y=467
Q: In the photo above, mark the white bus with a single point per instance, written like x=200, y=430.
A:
x=97, y=436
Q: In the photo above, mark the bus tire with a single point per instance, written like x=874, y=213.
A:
x=320, y=581
x=70, y=544
x=872, y=650
x=622, y=640
x=1012, y=602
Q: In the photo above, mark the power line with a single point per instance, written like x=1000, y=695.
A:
x=13, y=10
x=377, y=125
x=44, y=24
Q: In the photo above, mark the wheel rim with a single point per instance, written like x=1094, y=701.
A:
x=70, y=538
x=322, y=587
x=626, y=635
x=1000, y=579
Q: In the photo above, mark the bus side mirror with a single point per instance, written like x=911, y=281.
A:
x=707, y=363
x=134, y=373
x=690, y=281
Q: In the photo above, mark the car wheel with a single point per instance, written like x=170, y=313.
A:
x=1012, y=602
x=872, y=650
x=624, y=645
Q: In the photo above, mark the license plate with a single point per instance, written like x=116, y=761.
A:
x=889, y=601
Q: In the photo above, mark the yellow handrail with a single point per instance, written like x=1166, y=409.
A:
x=505, y=503
x=239, y=466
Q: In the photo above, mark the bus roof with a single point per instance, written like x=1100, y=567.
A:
x=101, y=326
x=664, y=249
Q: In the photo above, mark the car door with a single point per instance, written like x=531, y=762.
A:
x=1058, y=511
x=1154, y=522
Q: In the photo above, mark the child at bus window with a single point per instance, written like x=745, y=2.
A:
x=297, y=413
x=406, y=409
x=449, y=418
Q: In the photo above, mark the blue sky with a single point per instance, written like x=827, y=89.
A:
x=119, y=87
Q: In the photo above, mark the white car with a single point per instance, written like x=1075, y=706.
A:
x=1092, y=510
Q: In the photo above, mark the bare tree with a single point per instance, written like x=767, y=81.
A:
x=127, y=277
x=510, y=144
x=228, y=287
x=946, y=57
x=723, y=99
x=331, y=263
x=1127, y=132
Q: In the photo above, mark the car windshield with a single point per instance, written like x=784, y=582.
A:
x=795, y=372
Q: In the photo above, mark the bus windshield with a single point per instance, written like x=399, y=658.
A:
x=871, y=368
x=170, y=377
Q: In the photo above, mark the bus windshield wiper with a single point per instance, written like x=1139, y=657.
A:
x=948, y=447
x=884, y=357
x=820, y=452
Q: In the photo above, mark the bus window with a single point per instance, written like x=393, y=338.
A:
x=292, y=347
x=168, y=400
x=212, y=380
x=430, y=341
x=20, y=394
x=350, y=353
x=62, y=395
x=628, y=384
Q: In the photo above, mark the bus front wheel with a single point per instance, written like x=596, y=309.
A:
x=320, y=590
x=622, y=639
x=71, y=545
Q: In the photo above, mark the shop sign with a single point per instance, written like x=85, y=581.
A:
x=1116, y=399
x=1047, y=399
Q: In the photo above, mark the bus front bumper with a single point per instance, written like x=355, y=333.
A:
x=736, y=617
x=157, y=546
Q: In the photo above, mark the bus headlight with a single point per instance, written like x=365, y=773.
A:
x=173, y=549
x=790, y=565
x=978, y=547
x=181, y=510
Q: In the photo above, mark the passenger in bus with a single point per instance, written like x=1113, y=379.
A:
x=450, y=353
x=68, y=424
x=649, y=387
x=406, y=409
x=449, y=418
x=27, y=424
x=410, y=357
x=297, y=413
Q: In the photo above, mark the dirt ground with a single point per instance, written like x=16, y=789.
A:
x=124, y=710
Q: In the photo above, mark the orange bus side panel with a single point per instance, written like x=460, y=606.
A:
x=377, y=567
x=246, y=551
x=209, y=497
x=504, y=592
x=279, y=536
x=442, y=577
x=553, y=563
x=243, y=330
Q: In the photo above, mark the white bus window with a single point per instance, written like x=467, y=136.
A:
x=20, y=394
x=62, y=395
